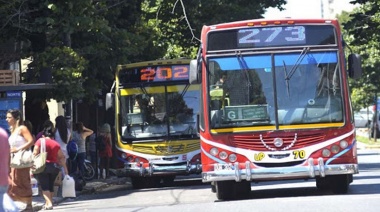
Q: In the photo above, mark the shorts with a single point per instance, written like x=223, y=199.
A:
x=47, y=178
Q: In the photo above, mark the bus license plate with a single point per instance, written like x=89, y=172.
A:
x=221, y=167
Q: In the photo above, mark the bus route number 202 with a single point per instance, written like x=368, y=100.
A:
x=299, y=154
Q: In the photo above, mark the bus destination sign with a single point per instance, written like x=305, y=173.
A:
x=155, y=74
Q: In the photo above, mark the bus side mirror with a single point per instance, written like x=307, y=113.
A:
x=110, y=101
x=195, y=70
x=354, y=66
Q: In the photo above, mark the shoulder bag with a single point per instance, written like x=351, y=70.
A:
x=40, y=159
x=21, y=159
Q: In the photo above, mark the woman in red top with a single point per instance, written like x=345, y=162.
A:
x=106, y=154
x=54, y=160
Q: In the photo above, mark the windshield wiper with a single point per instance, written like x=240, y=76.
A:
x=243, y=66
x=294, y=67
x=286, y=79
x=297, y=63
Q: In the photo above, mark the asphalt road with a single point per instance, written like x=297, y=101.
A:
x=192, y=195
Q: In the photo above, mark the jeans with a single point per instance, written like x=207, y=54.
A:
x=78, y=164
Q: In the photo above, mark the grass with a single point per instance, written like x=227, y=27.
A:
x=368, y=141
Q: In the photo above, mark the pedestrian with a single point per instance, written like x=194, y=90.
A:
x=47, y=123
x=105, y=154
x=54, y=161
x=80, y=135
x=20, y=189
x=62, y=135
x=29, y=125
x=92, y=150
x=6, y=202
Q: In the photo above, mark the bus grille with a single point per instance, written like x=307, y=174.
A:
x=276, y=165
x=255, y=142
x=167, y=148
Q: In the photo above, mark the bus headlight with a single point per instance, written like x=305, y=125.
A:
x=326, y=153
x=343, y=144
x=223, y=155
x=214, y=151
x=232, y=157
x=130, y=159
x=335, y=149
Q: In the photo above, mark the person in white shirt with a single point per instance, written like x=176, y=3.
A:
x=62, y=135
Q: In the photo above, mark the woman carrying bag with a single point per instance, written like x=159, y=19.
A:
x=19, y=178
x=54, y=160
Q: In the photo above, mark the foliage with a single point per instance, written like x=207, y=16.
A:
x=368, y=141
x=92, y=37
x=179, y=26
x=363, y=34
x=67, y=67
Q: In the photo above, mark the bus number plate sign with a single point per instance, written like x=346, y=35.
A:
x=223, y=167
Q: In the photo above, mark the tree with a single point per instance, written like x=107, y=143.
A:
x=179, y=23
x=364, y=37
x=81, y=42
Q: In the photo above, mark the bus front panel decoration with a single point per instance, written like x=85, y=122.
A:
x=276, y=104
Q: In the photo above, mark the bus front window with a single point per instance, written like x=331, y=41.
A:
x=159, y=112
x=305, y=91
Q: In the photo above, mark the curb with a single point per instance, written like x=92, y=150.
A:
x=90, y=188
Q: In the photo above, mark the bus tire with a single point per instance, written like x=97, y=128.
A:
x=322, y=183
x=242, y=189
x=224, y=190
x=213, y=187
x=340, y=183
x=137, y=182
x=168, y=180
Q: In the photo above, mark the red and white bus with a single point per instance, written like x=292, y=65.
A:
x=275, y=104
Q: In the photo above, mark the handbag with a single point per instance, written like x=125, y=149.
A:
x=21, y=159
x=68, y=186
x=40, y=159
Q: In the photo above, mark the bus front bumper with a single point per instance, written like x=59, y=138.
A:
x=155, y=170
x=265, y=174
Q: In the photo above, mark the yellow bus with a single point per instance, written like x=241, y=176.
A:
x=156, y=113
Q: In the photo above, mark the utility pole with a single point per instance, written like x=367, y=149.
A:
x=376, y=120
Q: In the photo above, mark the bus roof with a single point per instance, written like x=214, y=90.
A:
x=264, y=22
x=155, y=62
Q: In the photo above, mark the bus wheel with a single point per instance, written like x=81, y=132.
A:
x=340, y=183
x=213, y=188
x=243, y=189
x=224, y=190
x=137, y=182
x=322, y=183
x=168, y=180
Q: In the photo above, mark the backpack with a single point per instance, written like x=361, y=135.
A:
x=72, y=149
x=100, y=144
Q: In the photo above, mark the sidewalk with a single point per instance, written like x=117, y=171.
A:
x=91, y=187
x=364, y=132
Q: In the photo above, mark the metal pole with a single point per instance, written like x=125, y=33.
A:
x=376, y=119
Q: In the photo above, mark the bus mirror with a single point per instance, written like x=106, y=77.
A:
x=354, y=66
x=110, y=101
x=194, y=72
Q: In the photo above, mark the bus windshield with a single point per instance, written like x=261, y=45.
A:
x=275, y=89
x=159, y=112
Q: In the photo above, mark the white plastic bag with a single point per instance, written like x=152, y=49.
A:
x=8, y=204
x=68, y=187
